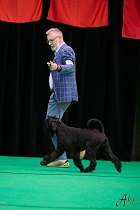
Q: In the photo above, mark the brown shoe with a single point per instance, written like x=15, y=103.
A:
x=82, y=154
x=59, y=163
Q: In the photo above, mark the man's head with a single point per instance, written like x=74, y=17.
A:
x=54, y=38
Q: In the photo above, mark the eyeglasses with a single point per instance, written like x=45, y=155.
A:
x=51, y=40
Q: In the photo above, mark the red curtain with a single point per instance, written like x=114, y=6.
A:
x=131, y=19
x=80, y=13
x=20, y=11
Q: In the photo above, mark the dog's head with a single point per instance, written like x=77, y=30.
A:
x=50, y=125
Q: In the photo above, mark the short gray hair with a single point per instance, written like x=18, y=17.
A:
x=54, y=30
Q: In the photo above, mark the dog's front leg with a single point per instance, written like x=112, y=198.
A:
x=56, y=154
x=51, y=157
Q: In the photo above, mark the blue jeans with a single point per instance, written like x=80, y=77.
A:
x=58, y=110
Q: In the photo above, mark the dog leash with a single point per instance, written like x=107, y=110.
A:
x=55, y=92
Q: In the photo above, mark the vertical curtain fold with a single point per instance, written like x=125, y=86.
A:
x=19, y=11
x=131, y=19
x=79, y=13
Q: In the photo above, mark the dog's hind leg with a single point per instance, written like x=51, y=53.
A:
x=76, y=159
x=91, y=149
x=91, y=166
x=105, y=148
x=93, y=163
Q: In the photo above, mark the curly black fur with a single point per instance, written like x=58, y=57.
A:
x=73, y=140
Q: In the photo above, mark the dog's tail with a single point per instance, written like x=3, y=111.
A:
x=96, y=124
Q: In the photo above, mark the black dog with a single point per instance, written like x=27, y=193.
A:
x=73, y=140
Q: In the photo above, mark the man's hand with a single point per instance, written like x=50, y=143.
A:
x=52, y=65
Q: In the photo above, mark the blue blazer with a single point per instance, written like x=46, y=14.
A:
x=64, y=82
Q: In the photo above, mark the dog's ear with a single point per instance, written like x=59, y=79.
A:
x=54, y=126
x=53, y=122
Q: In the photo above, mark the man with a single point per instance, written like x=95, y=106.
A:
x=62, y=83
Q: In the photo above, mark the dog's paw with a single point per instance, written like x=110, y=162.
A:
x=81, y=170
x=43, y=163
x=119, y=169
x=88, y=169
x=118, y=166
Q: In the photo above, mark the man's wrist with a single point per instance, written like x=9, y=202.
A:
x=59, y=68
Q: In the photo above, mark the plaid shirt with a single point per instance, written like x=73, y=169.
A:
x=64, y=82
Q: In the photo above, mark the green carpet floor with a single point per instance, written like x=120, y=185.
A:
x=25, y=184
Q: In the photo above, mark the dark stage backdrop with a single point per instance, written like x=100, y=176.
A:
x=108, y=76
